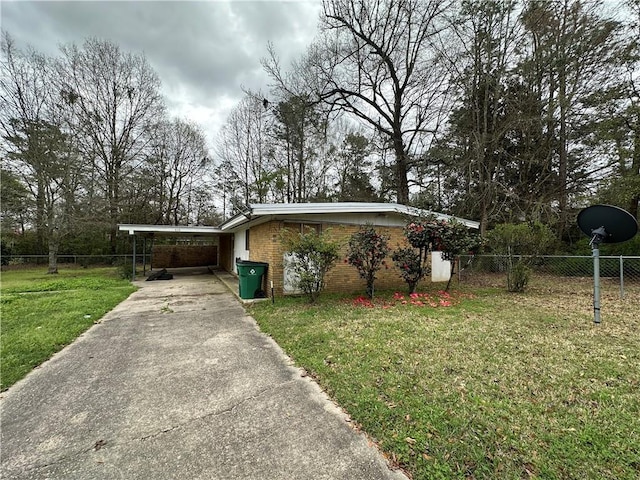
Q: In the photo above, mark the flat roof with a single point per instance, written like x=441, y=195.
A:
x=266, y=209
x=262, y=210
x=169, y=229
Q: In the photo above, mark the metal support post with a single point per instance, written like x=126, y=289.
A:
x=133, y=271
x=596, y=284
x=144, y=256
x=621, y=277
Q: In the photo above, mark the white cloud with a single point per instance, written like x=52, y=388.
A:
x=204, y=52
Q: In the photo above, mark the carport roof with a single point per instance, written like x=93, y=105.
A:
x=263, y=211
x=199, y=230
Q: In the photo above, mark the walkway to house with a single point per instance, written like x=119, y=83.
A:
x=178, y=382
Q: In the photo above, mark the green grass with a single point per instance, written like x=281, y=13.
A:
x=495, y=386
x=42, y=313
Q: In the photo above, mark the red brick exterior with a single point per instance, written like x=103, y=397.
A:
x=266, y=246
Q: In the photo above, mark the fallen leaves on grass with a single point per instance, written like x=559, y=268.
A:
x=433, y=300
x=502, y=386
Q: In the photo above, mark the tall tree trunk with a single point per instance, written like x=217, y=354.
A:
x=563, y=200
x=635, y=172
x=40, y=216
x=54, y=245
x=401, y=170
x=289, y=170
x=114, y=202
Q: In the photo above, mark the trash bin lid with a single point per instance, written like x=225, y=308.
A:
x=251, y=263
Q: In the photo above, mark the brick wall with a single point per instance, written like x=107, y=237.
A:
x=174, y=256
x=344, y=278
x=266, y=246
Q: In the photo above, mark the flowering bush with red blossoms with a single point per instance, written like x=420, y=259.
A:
x=426, y=235
x=413, y=262
x=367, y=251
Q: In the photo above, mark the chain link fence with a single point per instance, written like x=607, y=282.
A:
x=73, y=260
x=621, y=273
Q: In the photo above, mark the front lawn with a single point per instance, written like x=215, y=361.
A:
x=42, y=313
x=488, y=385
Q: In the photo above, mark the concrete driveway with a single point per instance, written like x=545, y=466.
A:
x=177, y=382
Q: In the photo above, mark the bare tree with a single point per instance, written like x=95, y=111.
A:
x=375, y=61
x=629, y=165
x=242, y=147
x=115, y=99
x=300, y=131
x=38, y=149
x=299, y=140
x=26, y=99
x=177, y=160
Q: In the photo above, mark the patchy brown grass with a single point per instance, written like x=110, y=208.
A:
x=569, y=295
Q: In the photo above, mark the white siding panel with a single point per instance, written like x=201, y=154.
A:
x=440, y=269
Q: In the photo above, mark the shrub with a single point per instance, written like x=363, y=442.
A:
x=518, y=276
x=366, y=251
x=313, y=255
x=520, y=245
x=125, y=270
x=455, y=240
x=451, y=237
x=5, y=251
x=411, y=265
x=423, y=235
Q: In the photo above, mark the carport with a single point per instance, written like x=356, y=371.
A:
x=223, y=241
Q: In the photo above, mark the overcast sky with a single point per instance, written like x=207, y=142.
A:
x=204, y=52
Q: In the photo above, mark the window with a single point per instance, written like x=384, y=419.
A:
x=246, y=239
x=304, y=227
x=309, y=227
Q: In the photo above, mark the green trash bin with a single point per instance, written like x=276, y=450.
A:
x=250, y=278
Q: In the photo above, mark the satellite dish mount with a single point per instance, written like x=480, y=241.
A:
x=604, y=224
x=599, y=236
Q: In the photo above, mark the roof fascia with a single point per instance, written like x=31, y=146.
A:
x=282, y=210
x=169, y=229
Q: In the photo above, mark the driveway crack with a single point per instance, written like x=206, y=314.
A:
x=224, y=411
x=106, y=443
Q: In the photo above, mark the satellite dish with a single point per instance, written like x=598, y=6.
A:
x=611, y=224
x=604, y=224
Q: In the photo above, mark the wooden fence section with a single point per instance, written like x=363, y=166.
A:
x=174, y=256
